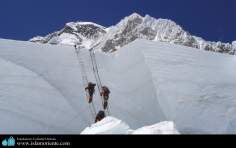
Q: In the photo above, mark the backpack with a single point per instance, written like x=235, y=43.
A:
x=91, y=85
x=106, y=90
x=100, y=116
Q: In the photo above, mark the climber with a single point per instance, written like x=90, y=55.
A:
x=105, y=94
x=101, y=114
x=91, y=89
x=76, y=46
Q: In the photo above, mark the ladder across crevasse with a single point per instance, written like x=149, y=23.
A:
x=85, y=81
x=97, y=77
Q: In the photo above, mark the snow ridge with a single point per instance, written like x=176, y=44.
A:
x=112, y=125
x=132, y=27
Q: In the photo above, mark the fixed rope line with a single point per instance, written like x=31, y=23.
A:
x=85, y=82
x=84, y=78
x=97, y=77
x=98, y=86
x=96, y=68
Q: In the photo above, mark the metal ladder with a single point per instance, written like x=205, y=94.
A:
x=85, y=82
x=97, y=77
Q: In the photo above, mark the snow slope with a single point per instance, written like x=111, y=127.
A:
x=25, y=102
x=234, y=44
x=43, y=93
x=108, y=125
x=111, y=125
x=196, y=89
x=165, y=127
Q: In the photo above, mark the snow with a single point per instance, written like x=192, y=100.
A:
x=64, y=39
x=195, y=88
x=41, y=90
x=112, y=125
x=37, y=38
x=90, y=23
x=127, y=30
x=165, y=127
x=65, y=109
x=24, y=96
x=74, y=24
x=108, y=125
x=234, y=44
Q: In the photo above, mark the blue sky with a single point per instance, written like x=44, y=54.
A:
x=211, y=19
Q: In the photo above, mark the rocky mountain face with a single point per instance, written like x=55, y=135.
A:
x=80, y=33
x=87, y=34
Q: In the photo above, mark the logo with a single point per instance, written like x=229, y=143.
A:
x=8, y=142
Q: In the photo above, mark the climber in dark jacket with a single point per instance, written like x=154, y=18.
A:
x=101, y=114
x=91, y=89
x=105, y=94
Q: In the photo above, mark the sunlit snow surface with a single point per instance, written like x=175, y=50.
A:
x=43, y=92
x=112, y=125
x=41, y=89
x=195, y=88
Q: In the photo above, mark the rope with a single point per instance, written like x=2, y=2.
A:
x=85, y=83
x=97, y=77
x=96, y=68
x=99, y=89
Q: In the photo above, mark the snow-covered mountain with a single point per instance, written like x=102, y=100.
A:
x=81, y=33
x=133, y=27
x=234, y=44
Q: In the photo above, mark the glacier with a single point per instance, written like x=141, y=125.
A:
x=41, y=90
x=58, y=104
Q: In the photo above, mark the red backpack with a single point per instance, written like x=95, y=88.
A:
x=106, y=90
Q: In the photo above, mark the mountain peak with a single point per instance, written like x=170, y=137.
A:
x=127, y=30
x=135, y=15
x=79, y=23
x=133, y=18
x=234, y=44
